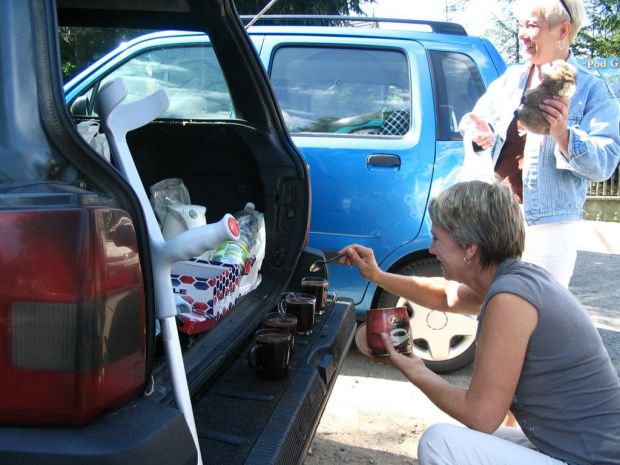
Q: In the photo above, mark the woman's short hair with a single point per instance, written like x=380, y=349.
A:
x=484, y=213
x=554, y=12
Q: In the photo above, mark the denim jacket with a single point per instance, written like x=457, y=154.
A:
x=554, y=188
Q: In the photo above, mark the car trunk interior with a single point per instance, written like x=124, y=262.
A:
x=218, y=164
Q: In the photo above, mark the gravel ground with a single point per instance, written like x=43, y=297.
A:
x=375, y=416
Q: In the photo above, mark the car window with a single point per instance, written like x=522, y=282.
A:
x=342, y=90
x=190, y=75
x=458, y=86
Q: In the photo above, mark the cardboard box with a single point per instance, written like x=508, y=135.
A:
x=211, y=288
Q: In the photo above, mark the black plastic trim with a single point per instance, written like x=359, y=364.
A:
x=141, y=432
x=439, y=27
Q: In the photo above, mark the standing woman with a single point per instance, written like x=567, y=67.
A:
x=550, y=175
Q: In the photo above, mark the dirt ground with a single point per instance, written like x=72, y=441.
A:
x=375, y=416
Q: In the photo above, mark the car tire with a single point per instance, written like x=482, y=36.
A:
x=445, y=341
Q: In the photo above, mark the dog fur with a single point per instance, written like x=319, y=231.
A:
x=559, y=79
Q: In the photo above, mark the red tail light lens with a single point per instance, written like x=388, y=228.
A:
x=72, y=317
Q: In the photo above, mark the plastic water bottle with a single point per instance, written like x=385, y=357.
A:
x=230, y=252
x=247, y=225
x=237, y=252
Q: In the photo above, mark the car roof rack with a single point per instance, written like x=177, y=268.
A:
x=440, y=27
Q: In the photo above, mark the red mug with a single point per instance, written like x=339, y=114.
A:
x=392, y=321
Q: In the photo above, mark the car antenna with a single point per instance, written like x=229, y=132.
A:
x=261, y=13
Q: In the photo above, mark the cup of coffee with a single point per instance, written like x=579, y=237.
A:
x=270, y=354
x=392, y=321
x=286, y=322
x=302, y=306
x=318, y=287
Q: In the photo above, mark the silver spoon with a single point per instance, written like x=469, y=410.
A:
x=316, y=266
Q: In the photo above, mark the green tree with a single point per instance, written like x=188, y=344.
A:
x=601, y=38
x=80, y=47
x=505, y=37
x=504, y=33
x=302, y=7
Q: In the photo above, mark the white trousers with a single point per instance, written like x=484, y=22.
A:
x=553, y=247
x=447, y=444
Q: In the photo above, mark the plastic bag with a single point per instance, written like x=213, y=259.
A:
x=476, y=166
x=170, y=191
x=89, y=130
x=251, y=277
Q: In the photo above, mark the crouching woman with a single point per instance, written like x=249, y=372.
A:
x=538, y=353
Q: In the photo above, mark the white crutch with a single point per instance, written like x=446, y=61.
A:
x=117, y=120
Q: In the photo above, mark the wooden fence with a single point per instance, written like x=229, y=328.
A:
x=606, y=188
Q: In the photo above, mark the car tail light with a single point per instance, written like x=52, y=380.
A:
x=72, y=316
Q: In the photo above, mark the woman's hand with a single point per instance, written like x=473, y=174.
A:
x=478, y=130
x=363, y=258
x=406, y=363
x=555, y=112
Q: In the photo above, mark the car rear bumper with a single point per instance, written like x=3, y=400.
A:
x=241, y=418
x=140, y=432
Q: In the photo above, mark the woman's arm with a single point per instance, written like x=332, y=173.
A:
x=443, y=295
x=594, y=141
x=508, y=324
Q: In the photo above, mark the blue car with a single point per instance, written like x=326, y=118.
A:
x=373, y=110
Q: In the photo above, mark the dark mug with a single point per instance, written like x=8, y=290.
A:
x=392, y=321
x=286, y=322
x=302, y=306
x=318, y=287
x=270, y=354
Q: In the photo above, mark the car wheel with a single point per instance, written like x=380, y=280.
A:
x=445, y=341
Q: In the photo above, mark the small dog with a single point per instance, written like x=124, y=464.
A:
x=559, y=78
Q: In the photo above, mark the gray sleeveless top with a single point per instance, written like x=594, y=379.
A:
x=567, y=399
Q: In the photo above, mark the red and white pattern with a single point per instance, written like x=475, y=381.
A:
x=211, y=288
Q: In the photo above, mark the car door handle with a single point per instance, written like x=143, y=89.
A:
x=384, y=159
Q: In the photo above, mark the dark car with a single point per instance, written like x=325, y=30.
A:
x=96, y=365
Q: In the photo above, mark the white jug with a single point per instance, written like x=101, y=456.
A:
x=180, y=218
